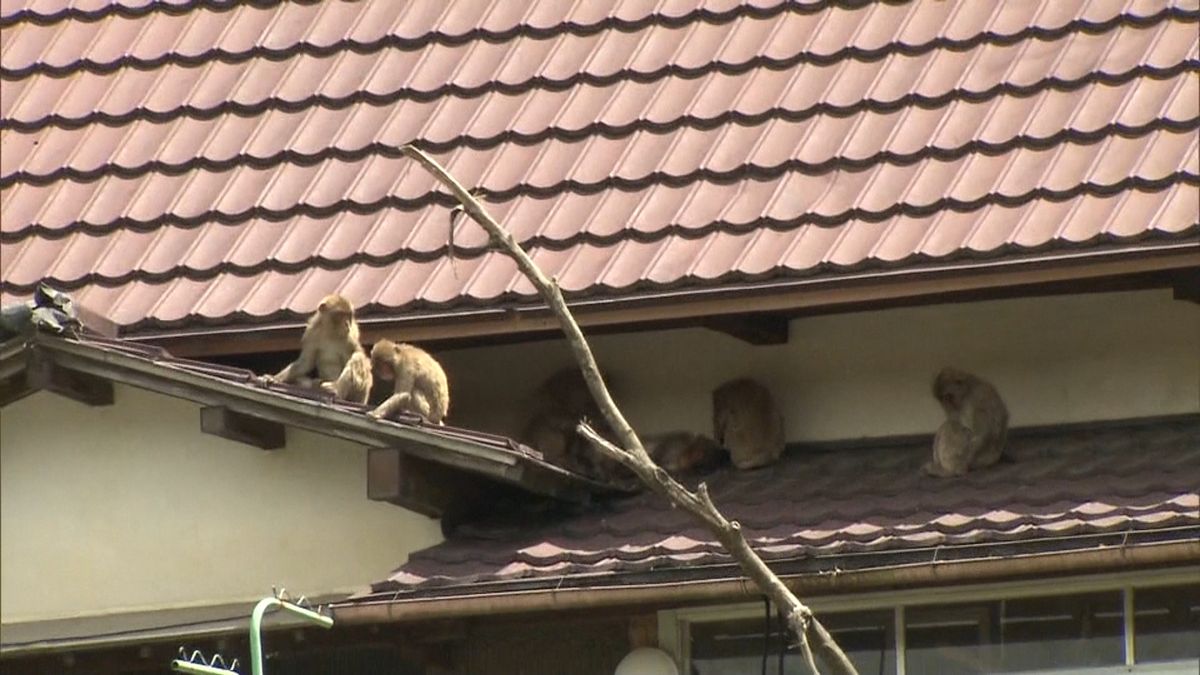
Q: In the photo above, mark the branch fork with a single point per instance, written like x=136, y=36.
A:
x=630, y=452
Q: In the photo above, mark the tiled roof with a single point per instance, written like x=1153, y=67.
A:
x=1067, y=487
x=201, y=162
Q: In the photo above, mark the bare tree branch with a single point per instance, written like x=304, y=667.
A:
x=632, y=454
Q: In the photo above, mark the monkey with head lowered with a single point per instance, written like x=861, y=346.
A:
x=560, y=403
x=747, y=422
x=419, y=382
x=976, y=425
x=683, y=451
x=330, y=347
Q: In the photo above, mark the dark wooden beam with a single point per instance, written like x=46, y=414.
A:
x=426, y=487
x=1187, y=286
x=43, y=373
x=757, y=329
x=219, y=420
x=14, y=388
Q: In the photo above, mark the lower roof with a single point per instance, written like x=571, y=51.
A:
x=1113, y=486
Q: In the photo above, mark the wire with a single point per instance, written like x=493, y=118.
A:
x=782, y=642
x=766, y=633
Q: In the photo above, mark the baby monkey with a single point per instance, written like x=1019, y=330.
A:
x=330, y=347
x=420, y=384
x=976, y=425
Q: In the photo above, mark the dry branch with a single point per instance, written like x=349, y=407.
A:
x=632, y=454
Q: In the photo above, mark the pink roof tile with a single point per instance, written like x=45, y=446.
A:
x=1071, y=488
x=215, y=164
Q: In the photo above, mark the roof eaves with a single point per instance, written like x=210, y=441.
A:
x=849, y=289
x=724, y=583
x=445, y=446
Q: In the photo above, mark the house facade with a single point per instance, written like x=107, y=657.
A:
x=834, y=198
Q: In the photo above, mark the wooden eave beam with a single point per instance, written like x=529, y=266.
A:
x=756, y=329
x=1186, y=285
x=43, y=373
x=219, y=420
x=14, y=388
x=431, y=489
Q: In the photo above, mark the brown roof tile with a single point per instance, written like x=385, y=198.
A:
x=1080, y=484
x=209, y=162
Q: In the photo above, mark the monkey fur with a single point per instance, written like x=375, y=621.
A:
x=420, y=384
x=747, y=423
x=330, y=347
x=683, y=451
x=973, y=435
x=560, y=403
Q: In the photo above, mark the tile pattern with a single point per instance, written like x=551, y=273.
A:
x=1138, y=477
x=198, y=162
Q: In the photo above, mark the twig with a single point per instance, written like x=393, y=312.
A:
x=632, y=454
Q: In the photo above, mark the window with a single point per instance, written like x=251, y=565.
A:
x=736, y=647
x=1166, y=623
x=1008, y=636
x=1017, y=628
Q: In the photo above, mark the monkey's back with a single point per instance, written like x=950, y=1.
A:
x=747, y=422
x=429, y=378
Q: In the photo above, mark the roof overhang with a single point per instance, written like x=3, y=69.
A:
x=58, y=364
x=142, y=627
x=1092, y=268
x=833, y=575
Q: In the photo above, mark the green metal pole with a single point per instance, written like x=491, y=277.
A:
x=256, y=658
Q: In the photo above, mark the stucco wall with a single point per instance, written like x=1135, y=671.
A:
x=1054, y=359
x=132, y=507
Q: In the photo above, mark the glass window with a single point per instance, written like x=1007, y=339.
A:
x=1166, y=623
x=1016, y=635
x=736, y=647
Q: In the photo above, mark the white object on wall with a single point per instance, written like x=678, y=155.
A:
x=647, y=661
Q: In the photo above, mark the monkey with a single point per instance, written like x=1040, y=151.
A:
x=419, y=382
x=976, y=426
x=330, y=347
x=682, y=451
x=747, y=423
x=560, y=403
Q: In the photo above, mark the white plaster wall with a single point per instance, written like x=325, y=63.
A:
x=1054, y=359
x=132, y=507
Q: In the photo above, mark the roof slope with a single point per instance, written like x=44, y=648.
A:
x=1070, y=489
x=201, y=163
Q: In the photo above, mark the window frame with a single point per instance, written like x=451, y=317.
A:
x=674, y=625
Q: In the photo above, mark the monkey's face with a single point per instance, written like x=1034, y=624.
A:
x=951, y=392
x=336, y=312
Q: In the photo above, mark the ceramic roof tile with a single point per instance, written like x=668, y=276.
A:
x=167, y=155
x=794, y=519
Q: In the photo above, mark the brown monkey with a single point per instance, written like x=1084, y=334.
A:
x=747, y=423
x=561, y=402
x=420, y=384
x=682, y=451
x=976, y=425
x=330, y=347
